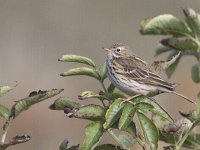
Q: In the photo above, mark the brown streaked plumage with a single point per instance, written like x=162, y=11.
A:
x=133, y=75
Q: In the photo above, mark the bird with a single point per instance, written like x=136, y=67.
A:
x=133, y=75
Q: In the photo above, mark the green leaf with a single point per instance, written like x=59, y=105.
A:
x=127, y=116
x=182, y=44
x=150, y=131
x=160, y=48
x=113, y=113
x=93, y=133
x=165, y=24
x=126, y=141
x=195, y=73
x=107, y=147
x=131, y=129
x=157, y=113
x=5, y=89
x=63, y=102
x=155, y=108
x=143, y=106
x=4, y=112
x=81, y=71
x=89, y=94
x=33, y=98
x=90, y=112
x=193, y=21
x=171, y=69
x=78, y=59
x=103, y=72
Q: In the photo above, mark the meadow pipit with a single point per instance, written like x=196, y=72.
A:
x=134, y=76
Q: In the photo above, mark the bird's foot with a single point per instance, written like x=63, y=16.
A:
x=129, y=99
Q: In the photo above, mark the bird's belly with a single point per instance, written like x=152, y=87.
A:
x=130, y=87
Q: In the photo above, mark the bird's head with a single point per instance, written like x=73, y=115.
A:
x=117, y=50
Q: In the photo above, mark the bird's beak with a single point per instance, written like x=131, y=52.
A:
x=106, y=49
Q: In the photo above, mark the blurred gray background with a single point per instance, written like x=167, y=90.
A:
x=35, y=33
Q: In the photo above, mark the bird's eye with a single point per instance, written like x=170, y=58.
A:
x=118, y=49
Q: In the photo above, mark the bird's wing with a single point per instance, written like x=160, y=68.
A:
x=138, y=70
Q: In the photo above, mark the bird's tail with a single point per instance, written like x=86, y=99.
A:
x=186, y=98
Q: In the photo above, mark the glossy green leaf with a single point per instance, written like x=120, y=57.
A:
x=171, y=69
x=164, y=25
x=63, y=102
x=5, y=89
x=127, y=116
x=107, y=147
x=149, y=130
x=143, y=106
x=131, y=129
x=113, y=113
x=81, y=71
x=33, y=98
x=78, y=59
x=93, y=133
x=103, y=72
x=182, y=44
x=195, y=73
x=91, y=112
x=158, y=113
x=89, y=94
x=156, y=109
x=193, y=21
x=4, y=112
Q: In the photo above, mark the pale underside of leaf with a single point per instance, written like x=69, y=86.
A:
x=78, y=59
x=81, y=71
x=5, y=89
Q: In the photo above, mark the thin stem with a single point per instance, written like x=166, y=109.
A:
x=105, y=91
x=116, y=138
x=104, y=88
x=104, y=105
x=5, y=131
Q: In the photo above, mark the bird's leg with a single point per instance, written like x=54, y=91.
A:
x=130, y=98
